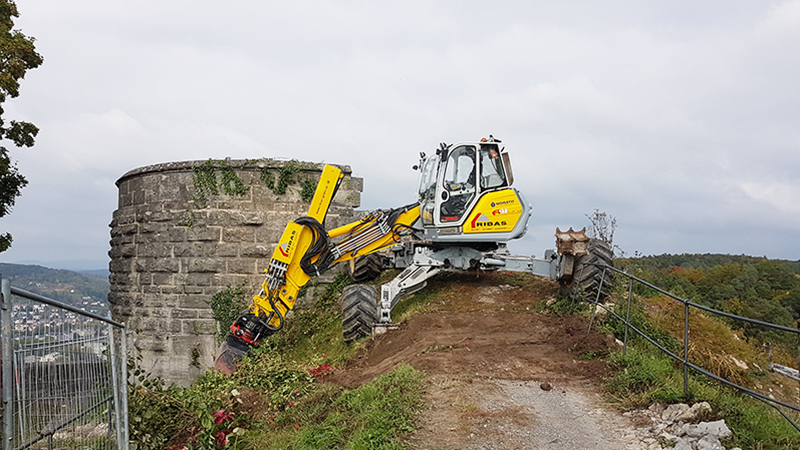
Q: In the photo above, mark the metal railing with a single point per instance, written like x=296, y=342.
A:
x=64, y=382
x=776, y=404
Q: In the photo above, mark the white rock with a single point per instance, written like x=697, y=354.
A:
x=657, y=408
x=694, y=411
x=717, y=430
x=708, y=443
x=673, y=411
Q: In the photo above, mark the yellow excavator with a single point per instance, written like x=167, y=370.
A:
x=465, y=213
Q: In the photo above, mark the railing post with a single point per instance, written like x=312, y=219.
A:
x=627, y=317
x=597, y=298
x=686, y=351
x=115, y=380
x=798, y=346
x=7, y=365
x=123, y=346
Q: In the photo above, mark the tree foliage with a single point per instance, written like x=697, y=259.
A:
x=758, y=288
x=17, y=56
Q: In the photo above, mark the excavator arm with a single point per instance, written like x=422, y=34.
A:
x=306, y=250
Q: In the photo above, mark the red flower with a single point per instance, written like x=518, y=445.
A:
x=221, y=438
x=297, y=426
x=222, y=415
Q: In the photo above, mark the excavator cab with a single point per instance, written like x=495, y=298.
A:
x=465, y=194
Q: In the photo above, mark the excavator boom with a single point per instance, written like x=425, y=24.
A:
x=304, y=250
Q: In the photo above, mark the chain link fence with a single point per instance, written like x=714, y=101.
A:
x=64, y=383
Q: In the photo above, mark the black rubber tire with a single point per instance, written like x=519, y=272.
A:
x=365, y=268
x=587, y=276
x=359, y=311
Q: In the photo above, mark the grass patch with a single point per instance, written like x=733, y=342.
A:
x=276, y=398
x=372, y=416
x=644, y=377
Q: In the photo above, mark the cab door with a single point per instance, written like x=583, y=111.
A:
x=458, y=187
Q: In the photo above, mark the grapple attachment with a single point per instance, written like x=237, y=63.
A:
x=570, y=244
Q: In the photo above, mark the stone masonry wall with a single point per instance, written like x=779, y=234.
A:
x=171, y=251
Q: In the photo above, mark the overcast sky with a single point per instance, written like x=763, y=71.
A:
x=679, y=118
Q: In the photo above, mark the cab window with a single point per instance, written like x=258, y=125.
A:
x=459, y=183
x=492, y=174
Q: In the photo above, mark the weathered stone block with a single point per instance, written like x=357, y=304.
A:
x=120, y=240
x=154, y=250
x=120, y=298
x=187, y=249
x=126, y=278
x=242, y=265
x=238, y=234
x=203, y=234
x=201, y=265
x=145, y=342
x=121, y=230
x=199, y=327
x=145, y=278
x=184, y=313
x=177, y=234
x=162, y=279
x=138, y=197
x=256, y=251
x=120, y=265
x=153, y=227
x=195, y=302
x=157, y=265
x=224, y=280
x=221, y=250
x=122, y=251
x=199, y=279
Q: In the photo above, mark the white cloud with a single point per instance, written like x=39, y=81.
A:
x=669, y=116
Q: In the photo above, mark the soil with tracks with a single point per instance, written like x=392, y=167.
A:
x=501, y=375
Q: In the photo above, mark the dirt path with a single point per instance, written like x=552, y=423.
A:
x=501, y=376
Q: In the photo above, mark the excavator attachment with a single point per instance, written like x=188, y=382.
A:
x=230, y=353
x=305, y=250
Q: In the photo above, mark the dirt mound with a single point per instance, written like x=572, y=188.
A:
x=508, y=344
x=500, y=374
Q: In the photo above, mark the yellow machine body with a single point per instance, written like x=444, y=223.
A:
x=495, y=212
x=297, y=239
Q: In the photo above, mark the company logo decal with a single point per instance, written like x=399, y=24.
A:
x=287, y=246
x=481, y=221
x=502, y=203
x=500, y=211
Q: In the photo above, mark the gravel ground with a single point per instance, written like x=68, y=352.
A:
x=510, y=414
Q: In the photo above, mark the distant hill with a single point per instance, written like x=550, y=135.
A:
x=699, y=261
x=88, y=290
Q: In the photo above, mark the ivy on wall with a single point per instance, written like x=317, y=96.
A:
x=206, y=182
x=278, y=179
x=213, y=177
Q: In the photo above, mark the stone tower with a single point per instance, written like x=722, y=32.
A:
x=184, y=231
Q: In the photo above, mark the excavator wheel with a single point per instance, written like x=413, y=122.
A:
x=365, y=268
x=587, y=276
x=359, y=311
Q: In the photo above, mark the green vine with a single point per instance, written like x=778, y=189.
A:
x=225, y=308
x=307, y=188
x=213, y=177
x=206, y=183
x=285, y=176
